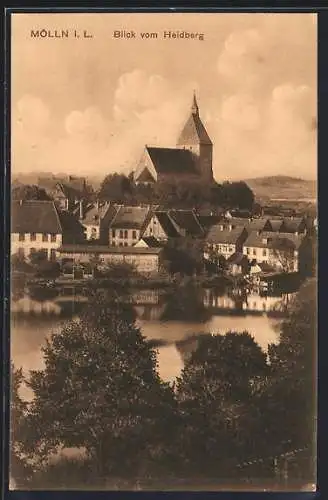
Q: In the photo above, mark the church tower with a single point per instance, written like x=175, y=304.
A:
x=195, y=138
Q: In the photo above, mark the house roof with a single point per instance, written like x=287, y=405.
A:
x=216, y=235
x=35, y=217
x=73, y=230
x=94, y=213
x=276, y=224
x=171, y=160
x=269, y=239
x=258, y=224
x=152, y=242
x=186, y=219
x=194, y=131
x=130, y=217
x=104, y=249
x=77, y=184
x=292, y=224
x=237, y=258
x=168, y=227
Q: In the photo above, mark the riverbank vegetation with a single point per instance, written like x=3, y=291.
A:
x=100, y=394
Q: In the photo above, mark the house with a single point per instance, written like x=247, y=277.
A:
x=295, y=225
x=128, y=225
x=96, y=219
x=66, y=191
x=237, y=264
x=144, y=259
x=35, y=226
x=224, y=242
x=161, y=226
x=165, y=224
x=285, y=252
x=190, y=160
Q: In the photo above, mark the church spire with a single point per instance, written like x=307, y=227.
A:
x=194, y=107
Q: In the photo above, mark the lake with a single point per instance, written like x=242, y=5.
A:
x=171, y=322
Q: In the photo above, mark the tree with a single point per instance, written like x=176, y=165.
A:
x=29, y=192
x=100, y=391
x=291, y=394
x=116, y=188
x=214, y=394
x=20, y=469
x=48, y=269
x=237, y=195
x=283, y=254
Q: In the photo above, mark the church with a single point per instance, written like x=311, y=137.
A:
x=190, y=160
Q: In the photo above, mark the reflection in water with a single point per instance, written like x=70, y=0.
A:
x=172, y=323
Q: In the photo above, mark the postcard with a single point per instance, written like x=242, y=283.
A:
x=163, y=251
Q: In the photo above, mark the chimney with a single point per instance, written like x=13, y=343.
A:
x=81, y=209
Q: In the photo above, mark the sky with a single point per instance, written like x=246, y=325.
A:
x=89, y=105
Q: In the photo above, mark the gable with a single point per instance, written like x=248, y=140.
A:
x=145, y=168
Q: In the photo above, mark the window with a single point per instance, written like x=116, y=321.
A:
x=33, y=237
x=125, y=234
x=264, y=306
x=125, y=243
x=52, y=254
x=21, y=237
x=134, y=235
x=230, y=249
x=113, y=233
x=154, y=222
x=45, y=237
x=150, y=230
x=254, y=251
x=53, y=238
x=264, y=252
x=120, y=244
x=113, y=243
x=247, y=251
x=121, y=233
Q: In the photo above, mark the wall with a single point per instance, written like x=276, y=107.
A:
x=144, y=263
x=38, y=244
x=123, y=237
x=155, y=229
x=92, y=231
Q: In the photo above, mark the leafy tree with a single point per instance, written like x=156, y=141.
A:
x=291, y=394
x=20, y=469
x=237, y=194
x=100, y=391
x=19, y=264
x=184, y=255
x=48, y=269
x=116, y=188
x=29, y=192
x=214, y=393
x=38, y=257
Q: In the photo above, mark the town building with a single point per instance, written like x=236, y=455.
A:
x=225, y=242
x=190, y=160
x=96, y=219
x=39, y=226
x=144, y=259
x=165, y=224
x=66, y=191
x=35, y=226
x=295, y=225
x=237, y=264
x=286, y=252
x=128, y=225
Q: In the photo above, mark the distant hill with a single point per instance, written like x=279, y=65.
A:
x=280, y=187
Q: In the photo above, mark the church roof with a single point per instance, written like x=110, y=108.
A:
x=194, y=131
x=169, y=160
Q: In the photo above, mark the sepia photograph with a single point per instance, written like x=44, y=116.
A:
x=163, y=251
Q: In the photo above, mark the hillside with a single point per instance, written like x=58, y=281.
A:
x=282, y=187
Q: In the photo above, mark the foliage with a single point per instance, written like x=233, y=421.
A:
x=184, y=255
x=214, y=392
x=100, y=391
x=29, y=192
x=122, y=189
x=20, y=470
x=48, y=269
x=19, y=264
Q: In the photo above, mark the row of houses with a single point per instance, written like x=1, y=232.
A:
x=118, y=233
